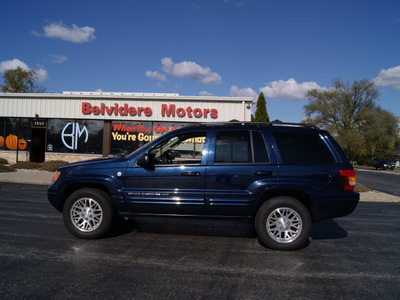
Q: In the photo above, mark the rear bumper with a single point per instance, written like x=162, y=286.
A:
x=334, y=205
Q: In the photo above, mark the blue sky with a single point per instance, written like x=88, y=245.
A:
x=207, y=47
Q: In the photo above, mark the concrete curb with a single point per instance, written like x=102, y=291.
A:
x=44, y=178
x=375, y=196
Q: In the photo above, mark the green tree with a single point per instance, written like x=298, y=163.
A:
x=342, y=107
x=261, y=114
x=364, y=131
x=20, y=81
x=380, y=133
x=354, y=145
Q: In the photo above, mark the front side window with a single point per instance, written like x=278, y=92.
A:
x=183, y=149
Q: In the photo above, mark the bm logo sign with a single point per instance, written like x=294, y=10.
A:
x=70, y=140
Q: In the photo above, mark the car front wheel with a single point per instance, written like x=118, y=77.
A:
x=88, y=213
x=283, y=223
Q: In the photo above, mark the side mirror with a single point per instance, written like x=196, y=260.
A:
x=144, y=161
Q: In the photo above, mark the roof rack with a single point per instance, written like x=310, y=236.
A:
x=273, y=123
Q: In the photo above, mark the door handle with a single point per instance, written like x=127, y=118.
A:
x=263, y=173
x=190, y=173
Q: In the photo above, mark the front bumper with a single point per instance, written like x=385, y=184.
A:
x=54, y=195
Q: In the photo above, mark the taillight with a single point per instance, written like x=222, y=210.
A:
x=348, y=178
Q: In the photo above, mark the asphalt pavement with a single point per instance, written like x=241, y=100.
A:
x=354, y=257
x=384, y=181
x=44, y=178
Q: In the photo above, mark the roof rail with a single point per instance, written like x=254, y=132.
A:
x=281, y=123
x=273, y=123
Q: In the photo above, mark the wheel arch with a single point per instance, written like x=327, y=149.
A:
x=301, y=196
x=81, y=185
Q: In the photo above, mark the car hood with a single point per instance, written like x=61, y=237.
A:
x=105, y=162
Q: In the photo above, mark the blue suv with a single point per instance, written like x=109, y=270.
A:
x=284, y=176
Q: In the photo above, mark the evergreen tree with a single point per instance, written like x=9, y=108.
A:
x=261, y=114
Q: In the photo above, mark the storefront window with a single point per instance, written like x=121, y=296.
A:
x=15, y=133
x=2, y=134
x=160, y=128
x=126, y=137
x=81, y=136
x=75, y=136
x=129, y=136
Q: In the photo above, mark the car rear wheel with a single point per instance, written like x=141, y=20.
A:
x=88, y=213
x=283, y=223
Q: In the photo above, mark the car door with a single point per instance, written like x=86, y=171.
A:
x=174, y=182
x=239, y=169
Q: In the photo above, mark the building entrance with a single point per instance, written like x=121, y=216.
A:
x=38, y=145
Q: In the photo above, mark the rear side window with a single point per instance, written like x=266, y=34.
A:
x=302, y=148
x=233, y=147
x=236, y=147
x=260, y=151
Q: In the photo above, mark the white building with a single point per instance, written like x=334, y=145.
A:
x=79, y=125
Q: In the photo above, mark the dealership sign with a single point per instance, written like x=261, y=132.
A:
x=167, y=111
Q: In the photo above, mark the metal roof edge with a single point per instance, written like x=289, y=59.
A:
x=126, y=96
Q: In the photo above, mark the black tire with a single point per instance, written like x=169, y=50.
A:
x=88, y=213
x=283, y=223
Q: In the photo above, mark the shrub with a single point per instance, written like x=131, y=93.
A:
x=4, y=169
x=26, y=165
x=3, y=161
x=53, y=165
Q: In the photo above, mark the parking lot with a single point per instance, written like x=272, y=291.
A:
x=355, y=257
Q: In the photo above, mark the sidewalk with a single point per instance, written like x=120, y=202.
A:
x=28, y=176
x=44, y=178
